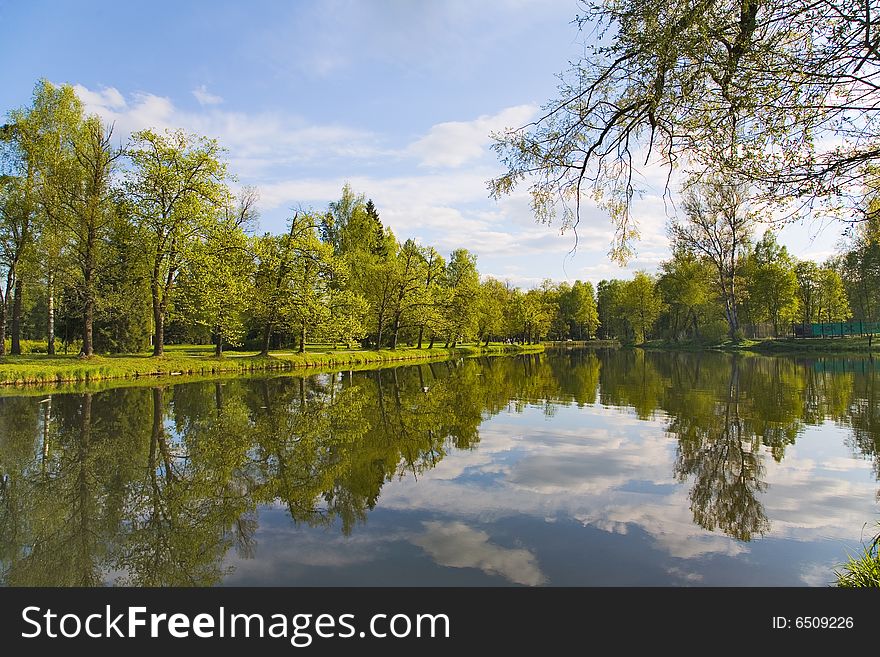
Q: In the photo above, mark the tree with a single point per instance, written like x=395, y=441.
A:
x=641, y=304
x=14, y=229
x=490, y=309
x=584, y=315
x=463, y=282
x=429, y=314
x=52, y=123
x=87, y=214
x=685, y=285
x=831, y=304
x=313, y=275
x=369, y=251
x=122, y=313
x=276, y=257
x=807, y=274
x=773, y=284
x=409, y=293
x=18, y=216
x=609, y=302
x=175, y=186
x=860, y=264
x=781, y=95
x=216, y=279
x=717, y=227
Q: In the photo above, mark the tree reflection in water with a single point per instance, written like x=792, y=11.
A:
x=150, y=486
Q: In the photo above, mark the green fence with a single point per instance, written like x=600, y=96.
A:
x=835, y=329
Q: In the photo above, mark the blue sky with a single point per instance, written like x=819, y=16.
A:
x=395, y=96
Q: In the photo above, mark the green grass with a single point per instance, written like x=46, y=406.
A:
x=577, y=344
x=197, y=360
x=862, y=571
x=817, y=345
x=848, y=344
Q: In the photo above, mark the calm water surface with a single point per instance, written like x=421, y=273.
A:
x=609, y=468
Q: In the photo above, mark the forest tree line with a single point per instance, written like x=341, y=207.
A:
x=115, y=248
x=118, y=248
x=720, y=280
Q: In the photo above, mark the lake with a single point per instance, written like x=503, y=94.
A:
x=568, y=468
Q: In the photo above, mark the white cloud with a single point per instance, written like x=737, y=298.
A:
x=585, y=475
x=107, y=97
x=455, y=143
x=296, y=162
x=456, y=545
x=264, y=141
x=205, y=97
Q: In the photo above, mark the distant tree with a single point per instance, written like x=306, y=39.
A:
x=490, y=309
x=772, y=283
x=292, y=274
x=584, y=312
x=216, y=279
x=807, y=274
x=832, y=304
x=685, y=285
x=369, y=252
x=463, y=282
x=609, y=309
x=176, y=186
x=717, y=227
x=537, y=314
x=409, y=293
x=641, y=304
x=860, y=265
x=821, y=293
x=429, y=315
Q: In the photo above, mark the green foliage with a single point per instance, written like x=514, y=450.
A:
x=641, y=304
x=609, y=308
x=685, y=285
x=861, y=571
x=771, y=283
x=175, y=187
x=215, y=281
x=107, y=260
x=686, y=85
x=463, y=283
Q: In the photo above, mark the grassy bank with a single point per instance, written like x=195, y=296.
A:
x=582, y=344
x=844, y=345
x=200, y=361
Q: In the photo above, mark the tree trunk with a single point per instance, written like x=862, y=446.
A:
x=267, y=336
x=431, y=345
x=50, y=316
x=396, y=331
x=218, y=348
x=16, y=318
x=3, y=326
x=302, y=338
x=159, y=333
x=421, y=333
x=88, y=319
x=158, y=319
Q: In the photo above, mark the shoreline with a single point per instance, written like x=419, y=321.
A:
x=36, y=370
x=779, y=346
